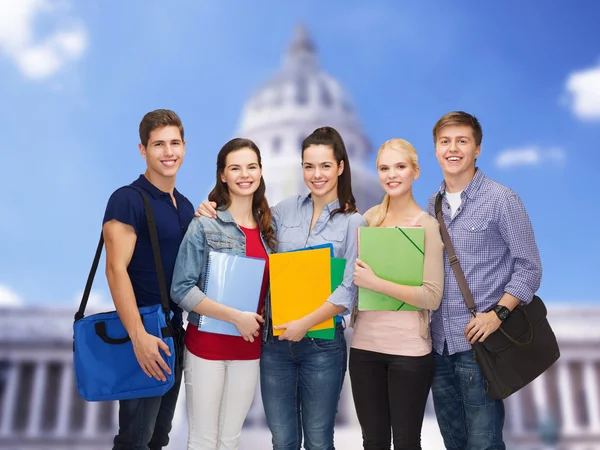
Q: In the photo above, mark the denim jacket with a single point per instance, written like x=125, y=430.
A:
x=203, y=235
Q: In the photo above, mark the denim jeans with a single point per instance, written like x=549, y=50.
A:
x=300, y=386
x=468, y=418
x=145, y=423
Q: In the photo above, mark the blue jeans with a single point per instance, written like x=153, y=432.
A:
x=300, y=386
x=468, y=418
x=145, y=423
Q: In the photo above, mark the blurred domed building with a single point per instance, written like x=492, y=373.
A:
x=291, y=105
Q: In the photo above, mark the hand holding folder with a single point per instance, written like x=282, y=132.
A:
x=300, y=283
x=395, y=254
x=231, y=280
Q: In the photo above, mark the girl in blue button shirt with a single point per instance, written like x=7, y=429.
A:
x=301, y=378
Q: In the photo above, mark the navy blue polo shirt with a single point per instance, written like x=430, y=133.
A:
x=127, y=206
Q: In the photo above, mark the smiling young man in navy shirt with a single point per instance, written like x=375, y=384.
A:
x=145, y=423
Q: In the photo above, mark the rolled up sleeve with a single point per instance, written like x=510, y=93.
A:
x=346, y=294
x=188, y=267
x=517, y=232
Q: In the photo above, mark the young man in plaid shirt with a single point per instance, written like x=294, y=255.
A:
x=496, y=248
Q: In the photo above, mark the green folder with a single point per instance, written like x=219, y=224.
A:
x=394, y=254
x=338, y=265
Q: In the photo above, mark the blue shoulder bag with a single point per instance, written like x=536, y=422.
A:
x=105, y=365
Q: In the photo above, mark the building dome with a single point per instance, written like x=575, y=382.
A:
x=299, y=98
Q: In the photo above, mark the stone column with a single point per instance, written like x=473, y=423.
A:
x=10, y=398
x=65, y=399
x=565, y=391
x=515, y=413
x=590, y=383
x=90, y=426
x=34, y=427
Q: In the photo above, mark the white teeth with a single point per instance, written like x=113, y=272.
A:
x=169, y=163
x=454, y=159
x=319, y=183
x=245, y=185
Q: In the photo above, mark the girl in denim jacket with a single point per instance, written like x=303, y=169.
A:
x=221, y=371
x=301, y=378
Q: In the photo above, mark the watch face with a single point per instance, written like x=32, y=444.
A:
x=502, y=311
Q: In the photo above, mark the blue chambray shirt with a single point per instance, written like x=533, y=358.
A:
x=292, y=218
x=494, y=241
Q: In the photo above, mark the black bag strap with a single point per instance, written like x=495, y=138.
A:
x=162, y=285
x=453, y=259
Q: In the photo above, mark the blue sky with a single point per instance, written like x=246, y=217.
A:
x=78, y=76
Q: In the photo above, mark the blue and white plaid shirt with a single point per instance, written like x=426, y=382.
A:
x=493, y=239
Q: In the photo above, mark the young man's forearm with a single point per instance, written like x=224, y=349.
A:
x=124, y=299
x=510, y=301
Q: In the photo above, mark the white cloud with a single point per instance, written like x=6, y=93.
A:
x=8, y=297
x=529, y=156
x=583, y=93
x=97, y=301
x=38, y=58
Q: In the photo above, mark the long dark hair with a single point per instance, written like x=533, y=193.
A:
x=260, y=205
x=329, y=136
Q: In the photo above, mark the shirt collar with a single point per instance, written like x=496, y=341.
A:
x=330, y=207
x=471, y=188
x=155, y=192
x=224, y=214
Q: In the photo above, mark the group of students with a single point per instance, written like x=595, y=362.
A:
x=396, y=357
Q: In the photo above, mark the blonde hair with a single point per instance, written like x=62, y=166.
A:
x=376, y=214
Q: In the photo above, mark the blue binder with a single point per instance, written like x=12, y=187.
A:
x=231, y=280
x=328, y=245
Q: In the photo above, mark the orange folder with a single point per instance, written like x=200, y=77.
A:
x=300, y=283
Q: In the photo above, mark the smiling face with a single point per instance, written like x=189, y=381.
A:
x=321, y=172
x=164, y=151
x=456, y=151
x=242, y=172
x=396, y=171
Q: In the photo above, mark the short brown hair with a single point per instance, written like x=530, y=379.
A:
x=459, y=118
x=158, y=118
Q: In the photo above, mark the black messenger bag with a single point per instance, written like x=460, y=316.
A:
x=520, y=350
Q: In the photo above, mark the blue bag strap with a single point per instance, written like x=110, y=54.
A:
x=162, y=284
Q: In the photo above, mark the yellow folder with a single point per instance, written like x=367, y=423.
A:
x=300, y=283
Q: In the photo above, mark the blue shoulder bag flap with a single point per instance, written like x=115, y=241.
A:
x=105, y=364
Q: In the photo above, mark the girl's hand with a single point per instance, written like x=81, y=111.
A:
x=207, y=209
x=248, y=324
x=364, y=276
x=294, y=330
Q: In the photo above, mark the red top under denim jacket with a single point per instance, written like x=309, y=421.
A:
x=221, y=346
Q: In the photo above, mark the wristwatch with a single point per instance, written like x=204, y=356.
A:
x=502, y=312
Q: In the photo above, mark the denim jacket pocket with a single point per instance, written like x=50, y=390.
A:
x=220, y=241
